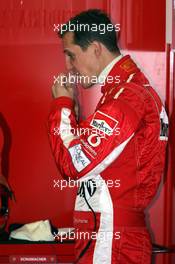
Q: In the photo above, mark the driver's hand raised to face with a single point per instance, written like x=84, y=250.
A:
x=62, y=87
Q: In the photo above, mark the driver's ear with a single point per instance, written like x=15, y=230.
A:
x=97, y=48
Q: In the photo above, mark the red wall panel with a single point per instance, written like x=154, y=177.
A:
x=27, y=75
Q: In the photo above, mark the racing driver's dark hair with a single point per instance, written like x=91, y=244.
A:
x=92, y=18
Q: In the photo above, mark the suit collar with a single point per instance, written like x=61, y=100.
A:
x=123, y=68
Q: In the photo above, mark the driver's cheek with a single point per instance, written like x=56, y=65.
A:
x=69, y=64
x=76, y=66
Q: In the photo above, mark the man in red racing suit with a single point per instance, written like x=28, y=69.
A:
x=118, y=162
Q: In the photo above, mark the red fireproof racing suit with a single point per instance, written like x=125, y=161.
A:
x=118, y=162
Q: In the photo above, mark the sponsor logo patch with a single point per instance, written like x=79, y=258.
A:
x=79, y=159
x=104, y=123
x=88, y=148
x=128, y=65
